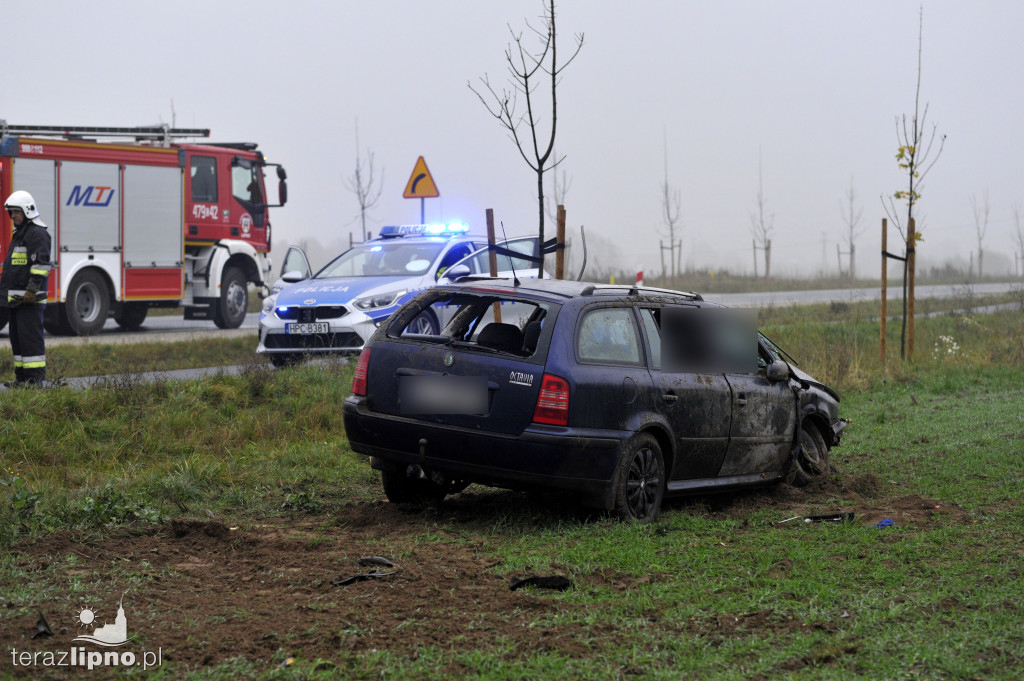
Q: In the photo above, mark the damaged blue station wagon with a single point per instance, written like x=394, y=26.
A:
x=618, y=394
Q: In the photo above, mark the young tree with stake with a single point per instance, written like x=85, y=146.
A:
x=916, y=158
x=527, y=70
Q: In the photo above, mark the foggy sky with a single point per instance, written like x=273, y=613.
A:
x=812, y=87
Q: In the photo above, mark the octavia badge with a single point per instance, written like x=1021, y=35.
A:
x=449, y=359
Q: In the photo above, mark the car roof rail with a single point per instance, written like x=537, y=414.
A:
x=633, y=290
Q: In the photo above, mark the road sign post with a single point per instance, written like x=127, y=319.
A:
x=421, y=186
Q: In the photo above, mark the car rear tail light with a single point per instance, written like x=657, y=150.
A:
x=553, y=401
x=359, y=377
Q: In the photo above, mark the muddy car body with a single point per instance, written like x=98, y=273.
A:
x=621, y=395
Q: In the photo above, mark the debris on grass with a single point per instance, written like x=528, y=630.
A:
x=369, y=561
x=554, y=582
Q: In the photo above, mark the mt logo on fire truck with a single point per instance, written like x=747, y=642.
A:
x=83, y=196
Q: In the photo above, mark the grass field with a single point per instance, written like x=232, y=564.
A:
x=225, y=507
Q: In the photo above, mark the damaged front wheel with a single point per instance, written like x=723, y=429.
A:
x=811, y=458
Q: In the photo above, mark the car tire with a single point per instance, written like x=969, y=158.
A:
x=811, y=459
x=399, y=488
x=425, y=323
x=234, y=300
x=640, y=480
x=131, y=315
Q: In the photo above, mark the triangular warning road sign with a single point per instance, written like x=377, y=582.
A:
x=421, y=184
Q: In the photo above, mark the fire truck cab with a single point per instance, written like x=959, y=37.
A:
x=142, y=222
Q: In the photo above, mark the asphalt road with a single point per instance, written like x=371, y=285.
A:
x=895, y=292
x=159, y=329
x=175, y=328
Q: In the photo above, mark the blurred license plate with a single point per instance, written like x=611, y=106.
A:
x=314, y=327
x=443, y=395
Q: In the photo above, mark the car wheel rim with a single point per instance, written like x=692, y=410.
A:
x=422, y=324
x=809, y=454
x=642, y=483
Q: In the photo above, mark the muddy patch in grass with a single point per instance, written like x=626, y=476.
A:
x=206, y=590
x=838, y=493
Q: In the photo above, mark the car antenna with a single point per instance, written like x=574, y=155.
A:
x=583, y=237
x=515, y=279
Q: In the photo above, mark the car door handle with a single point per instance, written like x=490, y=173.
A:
x=741, y=399
x=669, y=397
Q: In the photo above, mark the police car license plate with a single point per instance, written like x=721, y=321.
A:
x=314, y=327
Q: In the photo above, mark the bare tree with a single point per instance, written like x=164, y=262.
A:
x=980, y=225
x=914, y=156
x=761, y=225
x=851, y=216
x=361, y=183
x=559, y=188
x=526, y=71
x=670, y=204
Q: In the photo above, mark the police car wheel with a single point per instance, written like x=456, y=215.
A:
x=424, y=323
x=281, y=359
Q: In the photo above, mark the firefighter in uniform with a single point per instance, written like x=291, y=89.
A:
x=23, y=287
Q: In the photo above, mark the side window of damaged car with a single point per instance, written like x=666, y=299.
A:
x=608, y=335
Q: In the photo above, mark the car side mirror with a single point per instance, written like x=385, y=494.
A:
x=282, y=190
x=453, y=273
x=293, y=276
x=778, y=371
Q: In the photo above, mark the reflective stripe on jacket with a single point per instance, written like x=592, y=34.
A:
x=27, y=265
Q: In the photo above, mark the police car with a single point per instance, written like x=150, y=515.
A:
x=338, y=309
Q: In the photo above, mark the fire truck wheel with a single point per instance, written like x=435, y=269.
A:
x=5, y=316
x=88, y=303
x=55, y=321
x=234, y=300
x=131, y=316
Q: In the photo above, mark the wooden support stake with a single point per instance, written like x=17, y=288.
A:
x=885, y=280
x=911, y=261
x=560, y=253
x=492, y=257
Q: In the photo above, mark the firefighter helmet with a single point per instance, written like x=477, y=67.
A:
x=24, y=201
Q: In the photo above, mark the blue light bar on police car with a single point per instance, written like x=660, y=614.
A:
x=439, y=229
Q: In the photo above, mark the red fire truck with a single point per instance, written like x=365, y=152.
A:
x=138, y=220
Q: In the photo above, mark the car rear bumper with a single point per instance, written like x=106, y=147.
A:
x=577, y=460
